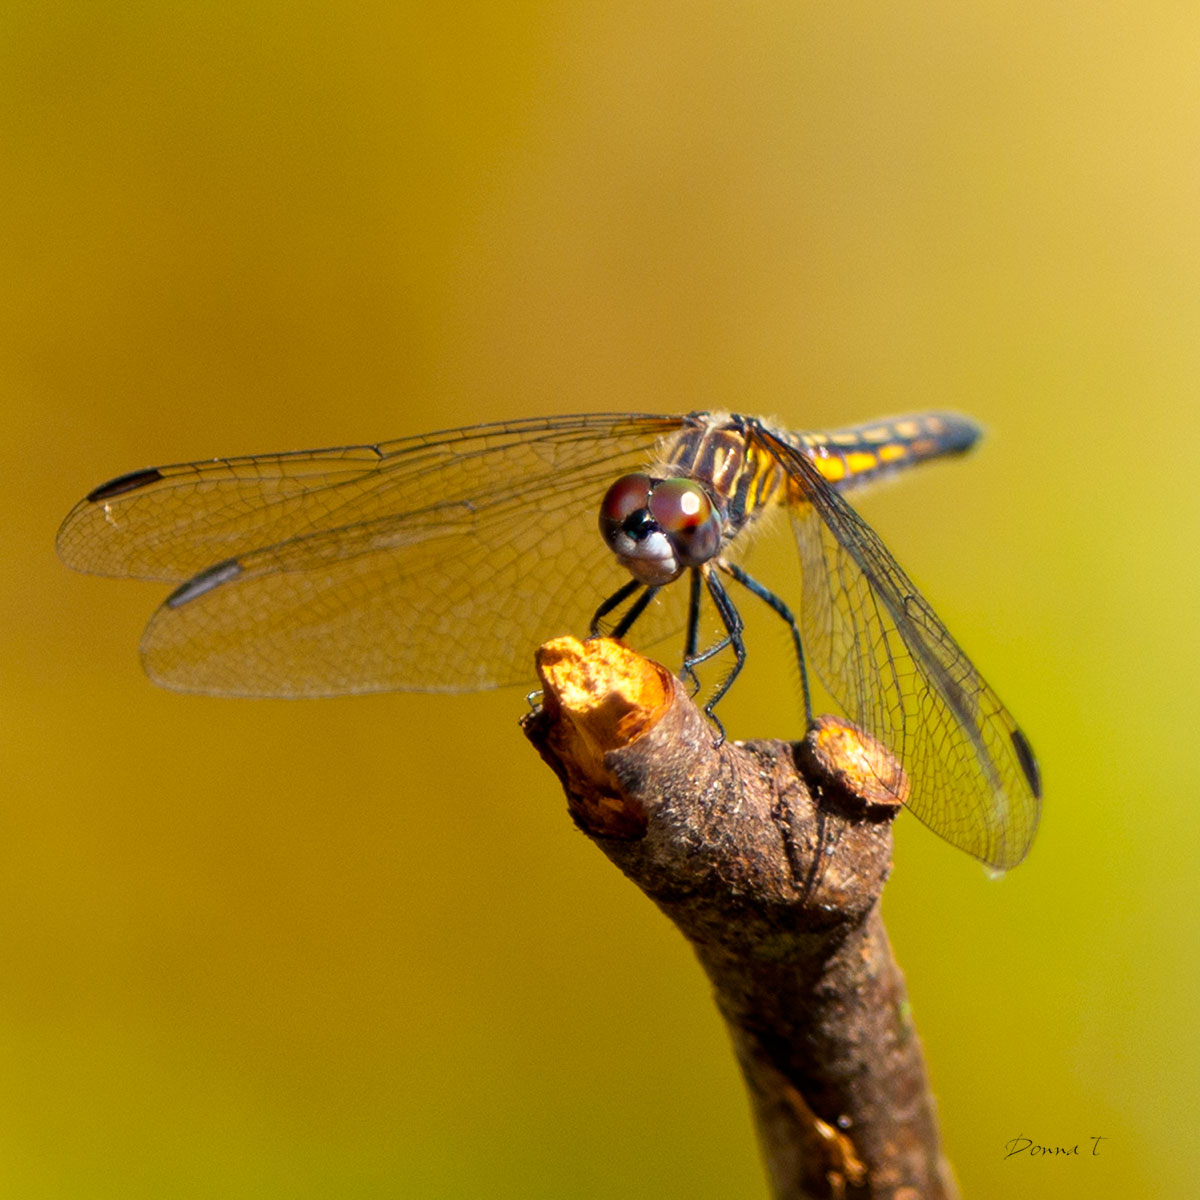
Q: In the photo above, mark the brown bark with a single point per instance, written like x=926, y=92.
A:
x=770, y=858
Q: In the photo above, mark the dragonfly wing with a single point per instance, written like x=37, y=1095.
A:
x=445, y=597
x=886, y=658
x=171, y=522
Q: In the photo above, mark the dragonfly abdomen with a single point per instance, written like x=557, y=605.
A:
x=859, y=454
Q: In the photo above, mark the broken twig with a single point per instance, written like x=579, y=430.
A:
x=770, y=858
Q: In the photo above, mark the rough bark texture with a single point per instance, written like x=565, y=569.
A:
x=770, y=858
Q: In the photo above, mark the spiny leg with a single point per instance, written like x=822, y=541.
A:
x=617, y=598
x=631, y=613
x=752, y=585
x=732, y=620
x=693, y=633
x=824, y=845
x=694, y=659
x=634, y=611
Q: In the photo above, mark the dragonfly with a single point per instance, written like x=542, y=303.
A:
x=437, y=562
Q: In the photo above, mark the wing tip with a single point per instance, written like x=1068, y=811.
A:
x=1028, y=762
x=198, y=585
x=131, y=481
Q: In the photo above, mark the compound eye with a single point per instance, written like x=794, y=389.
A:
x=682, y=510
x=629, y=494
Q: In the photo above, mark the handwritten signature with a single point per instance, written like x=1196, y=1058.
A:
x=1024, y=1145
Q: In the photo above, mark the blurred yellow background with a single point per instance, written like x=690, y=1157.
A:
x=256, y=949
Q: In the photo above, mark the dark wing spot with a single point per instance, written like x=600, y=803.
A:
x=1028, y=762
x=208, y=579
x=124, y=483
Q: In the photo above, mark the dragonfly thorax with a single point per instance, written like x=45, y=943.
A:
x=658, y=528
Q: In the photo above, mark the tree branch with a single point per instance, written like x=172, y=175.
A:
x=770, y=858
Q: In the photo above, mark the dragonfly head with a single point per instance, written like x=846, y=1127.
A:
x=658, y=528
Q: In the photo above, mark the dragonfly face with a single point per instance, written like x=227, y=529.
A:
x=658, y=528
x=439, y=562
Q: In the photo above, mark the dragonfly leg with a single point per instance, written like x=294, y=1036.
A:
x=632, y=613
x=635, y=610
x=688, y=675
x=752, y=585
x=732, y=620
x=616, y=599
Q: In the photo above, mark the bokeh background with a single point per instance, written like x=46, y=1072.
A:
x=355, y=948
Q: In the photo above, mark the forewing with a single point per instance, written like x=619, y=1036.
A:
x=886, y=658
x=487, y=546
x=171, y=522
